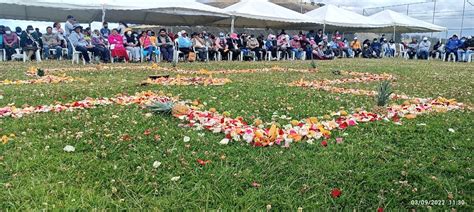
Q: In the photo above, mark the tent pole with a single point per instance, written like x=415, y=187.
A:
x=103, y=13
x=232, y=24
x=324, y=28
x=394, y=37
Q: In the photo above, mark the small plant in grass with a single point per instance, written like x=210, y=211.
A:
x=336, y=72
x=313, y=65
x=383, y=97
x=40, y=72
x=174, y=64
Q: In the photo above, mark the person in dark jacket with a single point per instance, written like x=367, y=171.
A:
x=436, y=50
x=232, y=45
x=30, y=42
x=376, y=48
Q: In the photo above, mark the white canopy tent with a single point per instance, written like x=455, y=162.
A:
x=263, y=14
x=401, y=23
x=180, y=12
x=334, y=17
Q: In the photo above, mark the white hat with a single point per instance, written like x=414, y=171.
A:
x=425, y=38
x=355, y=38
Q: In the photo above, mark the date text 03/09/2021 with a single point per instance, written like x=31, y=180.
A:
x=438, y=202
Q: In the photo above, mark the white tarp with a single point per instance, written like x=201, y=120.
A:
x=334, y=17
x=402, y=23
x=263, y=14
x=163, y=12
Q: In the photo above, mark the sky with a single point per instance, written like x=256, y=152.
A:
x=448, y=13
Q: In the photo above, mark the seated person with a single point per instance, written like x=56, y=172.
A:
x=147, y=44
x=199, y=45
x=184, y=43
x=356, y=47
x=10, y=42
x=132, y=44
x=221, y=46
x=424, y=49
x=80, y=44
x=452, y=46
x=296, y=47
x=392, y=47
x=254, y=46
x=51, y=41
x=283, y=44
x=329, y=53
x=271, y=45
x=367, y=52
x=233, y=46
x=30, y=42
x=117, y=47
x=376, y=47
x=412, y=48
x=98, y=41
x=466, y=49
x=165, y=44
x=437, y=50
x=386, y=48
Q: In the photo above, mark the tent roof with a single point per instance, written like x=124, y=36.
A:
x=181, y=12
x=263, y=14
x=404, y=23
x=339, y=17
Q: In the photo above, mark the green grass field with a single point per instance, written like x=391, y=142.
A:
x=378, y=165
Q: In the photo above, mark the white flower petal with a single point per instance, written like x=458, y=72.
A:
x=224, y=141
x=186, y=139
x=156, y=164
x=69, y=148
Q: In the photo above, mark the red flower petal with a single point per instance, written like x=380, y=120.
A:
x=324, y=143
x=336, y=193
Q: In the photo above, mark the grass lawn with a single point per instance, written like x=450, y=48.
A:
x=378, y=165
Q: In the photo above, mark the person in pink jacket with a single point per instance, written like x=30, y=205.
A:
x=295, y=44
x=116, y=45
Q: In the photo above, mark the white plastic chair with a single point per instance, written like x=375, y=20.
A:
x=451, y=57
x=4, y=55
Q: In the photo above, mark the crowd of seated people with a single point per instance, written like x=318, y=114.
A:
x=125, y=44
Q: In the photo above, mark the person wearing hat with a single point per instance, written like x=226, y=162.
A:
x=318, y=51
x=80, y=44
x=199, y=46
x=424, y=49
x=452, y=46
x=233, y=45
x=10, y=42
x=166, y=45
x=356, y=47
x=132, y=44
x=30, y=42
x=271, y=45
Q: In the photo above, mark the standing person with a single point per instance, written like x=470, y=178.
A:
x=386, y=48
x=78, y=42
x=105, y=31
x=51, y=41
x=122, y=28
x=184, y=43
x=319, y=37
x=132, y=44
x=68, y=28
x=424, y=49
x=10, y=42
x=311, y=34
x=117, y=48
x=356, y=47
x=147, y=44
x=30, y=42
x=452, y=46
x=165, y=44
x=412, y=48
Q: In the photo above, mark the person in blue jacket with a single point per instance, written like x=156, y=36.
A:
x=376, y=48
x=452, y=46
